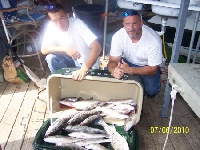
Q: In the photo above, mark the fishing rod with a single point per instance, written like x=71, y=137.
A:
x=30, y=73
x=10, y=48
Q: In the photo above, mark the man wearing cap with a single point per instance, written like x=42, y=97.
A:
x=137, y=49
x=68, y=42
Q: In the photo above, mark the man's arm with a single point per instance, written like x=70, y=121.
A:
x=53, y=49
x=114, y=67
x=92, y=58
x=112, y=63
x=93, y=55
x=146, y=70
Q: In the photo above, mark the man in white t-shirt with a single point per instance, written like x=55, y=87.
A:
x=68, y=42
x=137, y=49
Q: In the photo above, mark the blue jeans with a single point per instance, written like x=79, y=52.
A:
x=151, y=83
x=58, y=61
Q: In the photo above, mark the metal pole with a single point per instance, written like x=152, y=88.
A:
x=196, y=51
x=4, y=27
x=193, y=36
x=105, y=29
x=179, y=30
x=176, y=50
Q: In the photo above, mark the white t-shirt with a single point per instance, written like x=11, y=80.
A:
x=147, y=51
x=78, y=37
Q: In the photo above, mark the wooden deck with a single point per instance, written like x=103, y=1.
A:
x=22, y=114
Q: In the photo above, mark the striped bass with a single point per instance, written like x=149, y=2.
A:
x=118, y=141
x=86, y=142
x=89, y=120
x=78, y=118
x=123, y=107
x=72, y=99
x=81, y=105
x=117, y=101
x=60, y=138
x=112, y=113
x=59, y=124
x=84, y=135
x=93, y=141
x=95, y=146
x=86, y=129
x=126, y=112
x=130, y=121
x=109, y=105
x=70, y=146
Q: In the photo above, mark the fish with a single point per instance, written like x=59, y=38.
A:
x=133, y=104
x=66, y=113
x=82, y=105
x=117, y=101
x=78, y=118
x=130, y=121
x=72, y=99
x=110, y=105
x=126, y=112
x=86, y=129
x=101, y=103
x=95, y=146
x=118, y=142
x=83, y=135
x=112, y=113
x=86, y=142
x=60, y=138
x=89, y=120
x=123, y=107
x=70, y=146
x=58, y=124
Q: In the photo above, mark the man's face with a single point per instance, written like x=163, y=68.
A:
x=60, y=19
x=133, y=26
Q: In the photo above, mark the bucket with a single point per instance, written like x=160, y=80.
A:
x=91, y=14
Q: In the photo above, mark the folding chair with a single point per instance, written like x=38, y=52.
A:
x=21, y=30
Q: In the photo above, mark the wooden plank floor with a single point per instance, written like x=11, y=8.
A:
x=22, y=113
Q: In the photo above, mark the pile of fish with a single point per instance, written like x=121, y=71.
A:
x=114, y=108
x=79, y=135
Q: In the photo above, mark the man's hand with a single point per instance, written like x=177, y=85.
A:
x=54, y=49
x=79, y=74
x=125, y=67
x=118, y=72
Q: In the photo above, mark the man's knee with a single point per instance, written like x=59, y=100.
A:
x=152, y=91
x=52, y=59
x=49, y=57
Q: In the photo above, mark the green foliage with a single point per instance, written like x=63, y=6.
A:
x=182, y=59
